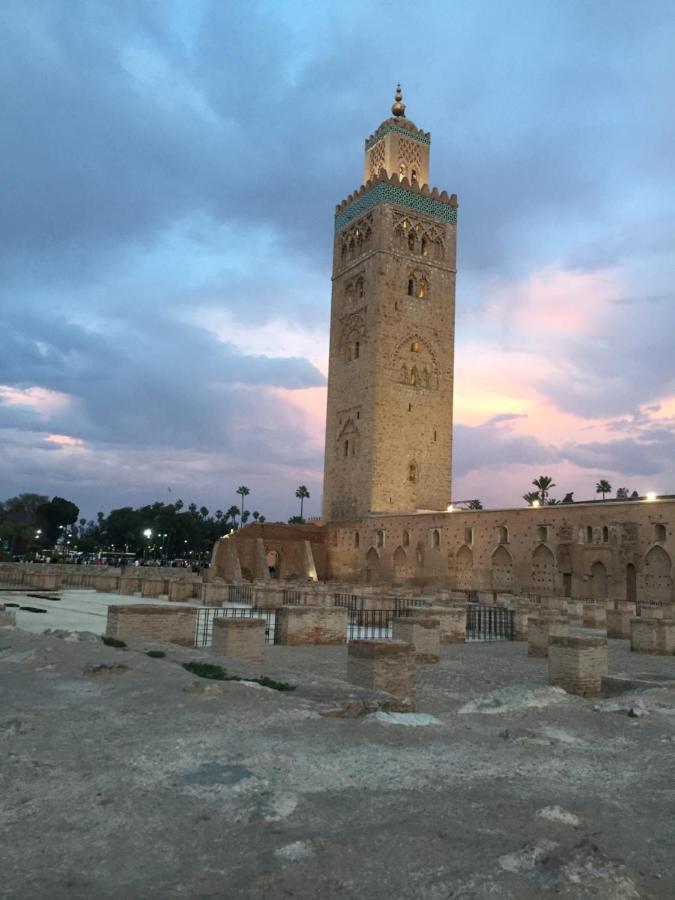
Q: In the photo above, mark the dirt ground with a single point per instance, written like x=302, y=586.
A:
x=144, y=781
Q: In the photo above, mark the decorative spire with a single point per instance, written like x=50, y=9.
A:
x=398, y=108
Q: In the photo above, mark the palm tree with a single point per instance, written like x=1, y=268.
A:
x=544, y=483
x=219, y=515
x=243, y=491
x=475, y=504
x=603, y=487
x=530, y=497
x=302, y=494
x=232, y=513
x=256, y=515
x=262, y=518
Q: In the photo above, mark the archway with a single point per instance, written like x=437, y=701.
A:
x=631, y=583
x=273, y=563
x=658, y=581
x=373, y=567
x=401, y=573
x=598, y=581
x=502, y=570
x=543, y=571
x=464, y=569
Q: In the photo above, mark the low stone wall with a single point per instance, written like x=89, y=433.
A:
x=383, y=666
x=312, y=625
x=577, y=664
x=106, y=584
x=169, y=624
x=422, y=633
x=539, y=630
x=239, y=638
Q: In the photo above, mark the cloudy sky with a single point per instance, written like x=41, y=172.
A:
x=170, y=171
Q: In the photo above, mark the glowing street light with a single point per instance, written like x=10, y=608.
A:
x=450, y=508
x=536, y=503
x=148, y=533
x=651, y=496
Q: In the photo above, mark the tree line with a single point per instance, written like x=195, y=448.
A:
x=32, y=523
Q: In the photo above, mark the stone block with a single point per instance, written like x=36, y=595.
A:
x=214, y=593
x=180, y=591
x=575, y=610
x=46, y=581
x=595, y=615
x=105, y=584
x=170, y=624
x=7, y=617
x=577, y=664
x=555, y=604
x=152, y=587
x=655, y=636
x=129, y=585
x=312, y=625
x=520, y=623
x=422, y=632
x=452, y=622
x=539, y=630
x=383, y=666
x=618, y=623
x=239, y=638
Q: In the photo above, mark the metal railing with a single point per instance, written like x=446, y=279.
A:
x=488, y=623
x=374, y=624
x=292, y=597
x=206, y=617
x=348, y=601
x=240, y=593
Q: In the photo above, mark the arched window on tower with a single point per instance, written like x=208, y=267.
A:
x=413, y=175
x=422, y=288
x=659, y=533
x=589, y=534
x=425, y=378
x=404, y=374
x=349, y=293
x=406, y=538
x=424, y=247
x=359, y=288
x=413, y=376
x=436, y=539
x=356, y=350
x=605, y=534
x=412, y=472
x=346, y=447
x=503, y=534
x=414, y=346
x=412, y=241
x=411, y=287
x=402, y=171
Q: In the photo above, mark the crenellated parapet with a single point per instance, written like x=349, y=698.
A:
x=391, y=189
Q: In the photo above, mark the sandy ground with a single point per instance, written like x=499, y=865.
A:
x=143, y=781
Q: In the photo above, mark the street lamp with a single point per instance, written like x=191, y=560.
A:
x=147, y=534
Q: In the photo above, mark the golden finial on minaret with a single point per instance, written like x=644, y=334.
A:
x=398, y=108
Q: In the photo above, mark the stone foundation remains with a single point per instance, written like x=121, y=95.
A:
x=312, y=625
x=539, y=630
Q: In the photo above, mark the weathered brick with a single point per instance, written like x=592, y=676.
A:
x=170, y=624
x=312, y=625
x=422, y=632
x=383, y=666
x=239, y=638
x=577, y=664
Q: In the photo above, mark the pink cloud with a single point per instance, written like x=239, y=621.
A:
x=42, y=400
x=65, y=440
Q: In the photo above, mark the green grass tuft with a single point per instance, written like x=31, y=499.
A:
x=112, y=642
x=217, y=673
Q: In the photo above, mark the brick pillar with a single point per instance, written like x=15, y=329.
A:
x=575, y=611
x=170, y=624
x=452, y=621
x=180, y=591
x=7, y=617
x=383, y=666
x=239, y=638
x=595, y=615
x=312, y=625
x=422, y=632
x=538, y=632
x=618, y=622
x=577, y=664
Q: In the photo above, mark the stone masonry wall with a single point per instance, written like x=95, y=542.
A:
x=174, y=625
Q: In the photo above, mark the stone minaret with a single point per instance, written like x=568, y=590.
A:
x=391, y=364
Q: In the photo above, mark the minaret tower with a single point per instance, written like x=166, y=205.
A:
x=391, y=363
